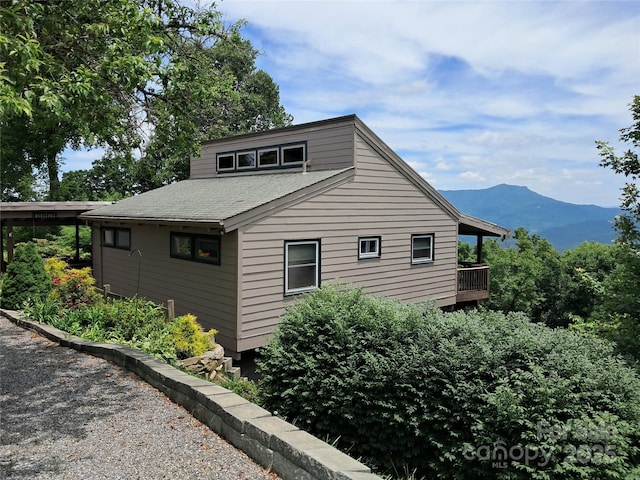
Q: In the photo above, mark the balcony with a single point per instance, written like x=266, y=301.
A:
x=473, y=283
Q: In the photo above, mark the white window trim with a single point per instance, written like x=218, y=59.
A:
x=375, y=254
x=246, y=167
x=228, y=154
x=291, y=291
x=416, y=261
x=291, y=147
x=269, y=149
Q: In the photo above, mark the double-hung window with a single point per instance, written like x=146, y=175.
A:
x=368, y=247
x=302, y=266
x=422, y=248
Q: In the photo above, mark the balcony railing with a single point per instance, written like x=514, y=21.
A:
x=473, y=283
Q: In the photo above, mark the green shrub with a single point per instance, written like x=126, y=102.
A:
x=243, y=387
x=445, y=395
x=189, y=339
x=45, y=310
x=74, y=287
x=25, y=279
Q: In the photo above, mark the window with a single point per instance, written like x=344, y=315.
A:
x=109, y=237
x=369, y=247
x=268, y=157
x=302, y=266
x=246, y=160
x=181, y=246
x=116, y=238
x=293, y=154
x=226, y=161
x=207, y=249
x=198, y=248
x=422, y=248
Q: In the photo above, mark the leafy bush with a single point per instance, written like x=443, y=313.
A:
x=243, y=387
x=25, y=279
x=45, y=310
x=55, y=267
x=452, y=395
x=71, y=286
x=188, y=338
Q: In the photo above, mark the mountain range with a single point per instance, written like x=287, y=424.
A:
x=565, y=225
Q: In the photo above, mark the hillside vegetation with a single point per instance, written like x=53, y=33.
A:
x=468, y=395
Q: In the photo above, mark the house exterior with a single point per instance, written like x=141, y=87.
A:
x=267, y=216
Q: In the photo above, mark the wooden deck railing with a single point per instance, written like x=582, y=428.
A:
x=473, y=283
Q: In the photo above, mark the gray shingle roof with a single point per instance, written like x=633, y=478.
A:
x=210, y=199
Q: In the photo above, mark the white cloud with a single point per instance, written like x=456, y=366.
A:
x=472, y=176
x=474, y=91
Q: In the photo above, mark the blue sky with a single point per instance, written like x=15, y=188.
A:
x=470, y=94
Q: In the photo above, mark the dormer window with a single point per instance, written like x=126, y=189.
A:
x=293, y=154
x=226, y=162
x=263, y=158
x=246, y=159
x=268, y=157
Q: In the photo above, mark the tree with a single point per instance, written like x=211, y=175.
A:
x=110, y=178
x=249, y=103
x=627, y=164
x=528, y=278
x=619, y=316
x=126, y=74
x=26, y=279
x=588, y=266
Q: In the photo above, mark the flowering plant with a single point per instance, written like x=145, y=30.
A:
x=72, y=287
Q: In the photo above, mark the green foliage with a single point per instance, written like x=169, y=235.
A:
x=46, y=310
x=67, y=240
x=25, y=279
x=75, y=288
x=433, y=392
x=138, y=66
x=245, y=388
x=464, y=252
x=527, y=278
x=627, y=164
x=188, y=338
x=71, y=287
x=587, y=267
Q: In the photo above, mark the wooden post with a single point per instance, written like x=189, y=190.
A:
x=107, y=290
x=171, y=310
x=2, y=264
x=9, y=241
x=77, y=259
x=479, y=249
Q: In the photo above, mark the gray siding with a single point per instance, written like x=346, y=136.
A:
x=379, y=202
x=207, y=291
x=328, y=148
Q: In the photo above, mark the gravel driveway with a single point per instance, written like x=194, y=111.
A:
x=68, y=415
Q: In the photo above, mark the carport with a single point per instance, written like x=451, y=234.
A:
x=40, y=214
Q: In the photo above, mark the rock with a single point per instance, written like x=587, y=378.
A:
x=216, y=354
x=207, y=364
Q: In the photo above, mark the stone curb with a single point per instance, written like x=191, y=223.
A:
x=270, y=441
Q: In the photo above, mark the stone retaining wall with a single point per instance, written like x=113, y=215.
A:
x=273, y=443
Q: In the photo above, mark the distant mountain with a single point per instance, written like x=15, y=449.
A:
x=565, y=225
